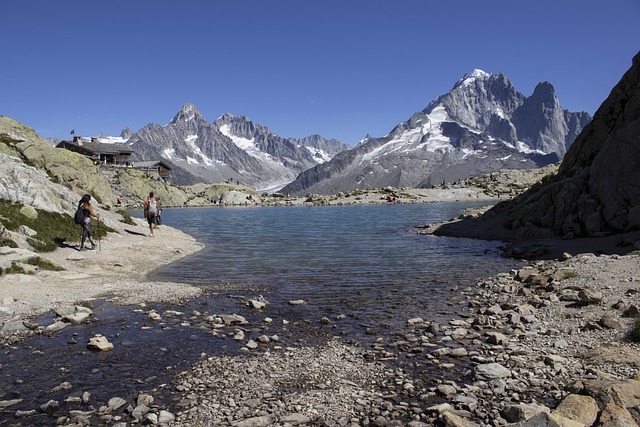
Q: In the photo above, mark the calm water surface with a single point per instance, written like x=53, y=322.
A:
x=361, y=259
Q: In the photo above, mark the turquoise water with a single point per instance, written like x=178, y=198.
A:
x=356, y=259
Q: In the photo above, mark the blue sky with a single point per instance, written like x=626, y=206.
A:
x=338, y=68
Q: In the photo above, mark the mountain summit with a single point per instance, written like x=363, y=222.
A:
x=482, y=125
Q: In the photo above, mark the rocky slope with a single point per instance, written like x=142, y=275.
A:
x=35, y=173
x=483, y=124
x=595, y=192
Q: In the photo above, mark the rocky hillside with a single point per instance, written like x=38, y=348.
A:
x=482, y=125
x=35, y=173
x=596, y=190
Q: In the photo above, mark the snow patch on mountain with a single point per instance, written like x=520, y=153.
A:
x=437, y=141
x=250, y=147
x=470, y=78
x=413, y=139
x=169, y=153
x=320, y=156
x=190, y=140
x=112, y=139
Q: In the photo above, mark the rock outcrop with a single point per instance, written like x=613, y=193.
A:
x=596, y=191
x=73, y=170
x=34, y=173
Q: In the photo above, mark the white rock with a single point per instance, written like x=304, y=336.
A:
x=99, y=343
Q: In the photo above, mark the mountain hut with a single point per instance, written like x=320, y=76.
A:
x=100, y=153
x=154, y=168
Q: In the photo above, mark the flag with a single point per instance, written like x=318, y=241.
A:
x=73, y=131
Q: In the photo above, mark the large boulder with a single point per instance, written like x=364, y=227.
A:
x=28, y=186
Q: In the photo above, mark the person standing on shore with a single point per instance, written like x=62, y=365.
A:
x=159, y=216
x=87, y=210
x=151, y=212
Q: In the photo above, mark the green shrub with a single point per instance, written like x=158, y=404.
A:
x=8, y=242
x=15, y=269
x=42, y=246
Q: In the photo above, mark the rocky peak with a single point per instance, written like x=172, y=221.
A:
x=189, y=115
x=126, y=133
x=477, y=75
x=478, y=96
x=545, y=94
x=541, y=122
x=240, y=126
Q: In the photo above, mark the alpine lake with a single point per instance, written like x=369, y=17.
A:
x=364, y=268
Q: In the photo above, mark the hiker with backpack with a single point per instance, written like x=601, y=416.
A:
x=83, y=217
x=151, y=212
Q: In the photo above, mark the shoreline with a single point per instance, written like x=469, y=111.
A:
x=116, y=271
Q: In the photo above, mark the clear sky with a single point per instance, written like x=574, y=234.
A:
x=338, y=68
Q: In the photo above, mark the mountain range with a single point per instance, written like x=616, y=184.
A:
x=482, y=125
x=230, y=148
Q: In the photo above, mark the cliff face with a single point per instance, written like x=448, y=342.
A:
x=607, y=155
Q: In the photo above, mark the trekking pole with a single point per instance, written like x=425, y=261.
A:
x=99, y=247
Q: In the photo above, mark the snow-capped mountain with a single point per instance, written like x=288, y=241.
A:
x=229, y=148
x=483, y=124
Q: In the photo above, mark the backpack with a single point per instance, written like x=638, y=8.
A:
x=152, y=208
x=78, y=218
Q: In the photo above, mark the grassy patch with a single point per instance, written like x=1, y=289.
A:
x=8, y=242
x=15, y=269
x=569, y=275
x=42, y=263
x=52, y=228
x=126, y=218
